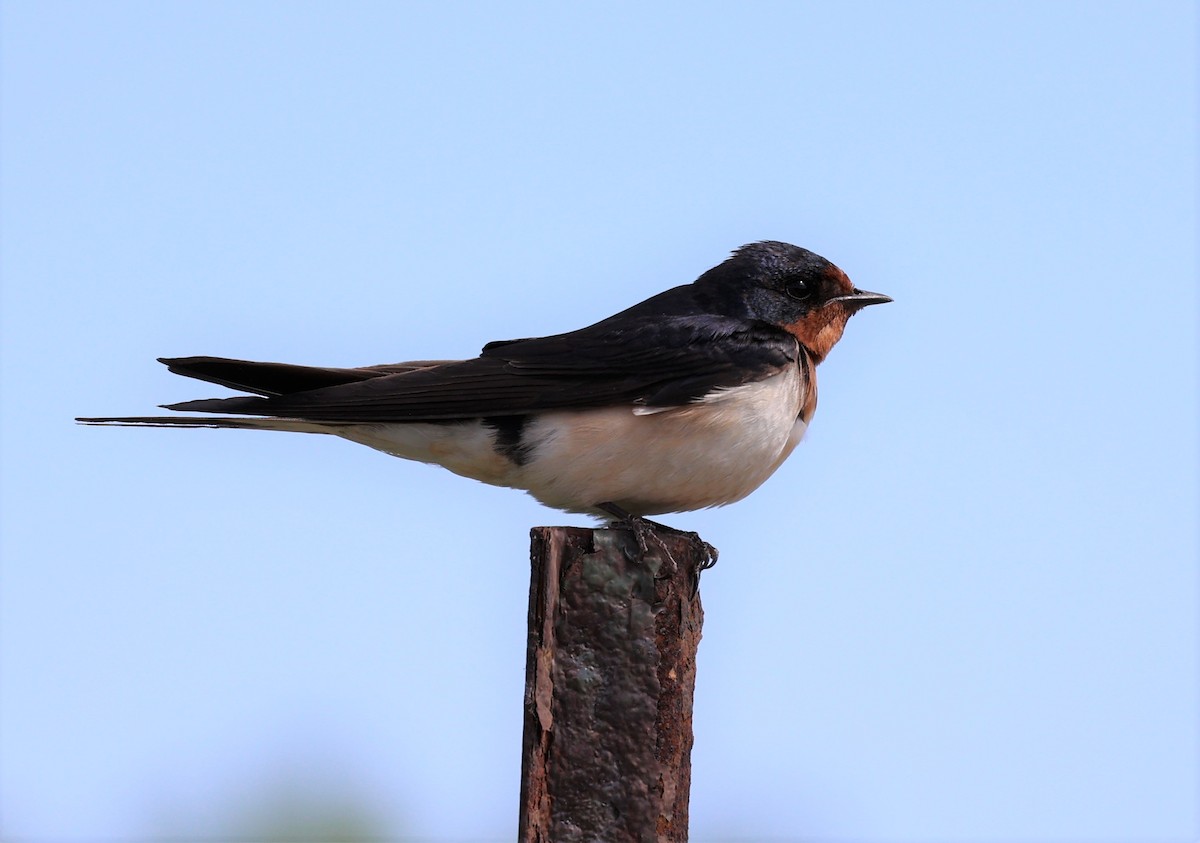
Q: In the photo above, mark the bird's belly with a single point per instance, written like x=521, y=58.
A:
x=707, y=454
x=648, y=462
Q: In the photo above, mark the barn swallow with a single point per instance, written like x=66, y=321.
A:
x=691, y=399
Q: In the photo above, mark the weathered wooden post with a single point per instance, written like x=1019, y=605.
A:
x=609, y=677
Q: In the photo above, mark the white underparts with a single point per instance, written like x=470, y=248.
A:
x=648, y=460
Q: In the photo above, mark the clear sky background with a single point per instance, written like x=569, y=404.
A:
x=966, y=608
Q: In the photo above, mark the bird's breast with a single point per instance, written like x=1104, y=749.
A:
x=713, y=452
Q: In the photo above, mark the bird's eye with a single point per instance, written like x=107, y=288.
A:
x=797, y=289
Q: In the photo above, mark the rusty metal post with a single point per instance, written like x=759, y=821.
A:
x=609, y=677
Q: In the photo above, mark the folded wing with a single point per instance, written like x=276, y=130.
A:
x=653, y=362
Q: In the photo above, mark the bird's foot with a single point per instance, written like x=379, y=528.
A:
x=645, y=531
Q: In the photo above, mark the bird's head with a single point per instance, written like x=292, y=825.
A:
x=791, y=288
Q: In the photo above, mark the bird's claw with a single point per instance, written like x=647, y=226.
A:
x=645, y=531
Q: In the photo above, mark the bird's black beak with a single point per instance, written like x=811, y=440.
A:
x=861, y=298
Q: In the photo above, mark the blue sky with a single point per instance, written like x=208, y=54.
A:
x=966, y=608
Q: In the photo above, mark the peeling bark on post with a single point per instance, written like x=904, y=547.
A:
x=610, y=673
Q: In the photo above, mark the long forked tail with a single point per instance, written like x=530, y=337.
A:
x=262, y=379
x=288, y=425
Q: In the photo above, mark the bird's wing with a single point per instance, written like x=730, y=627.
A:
x=654, y=362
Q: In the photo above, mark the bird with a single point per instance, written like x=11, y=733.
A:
x=688, y=400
